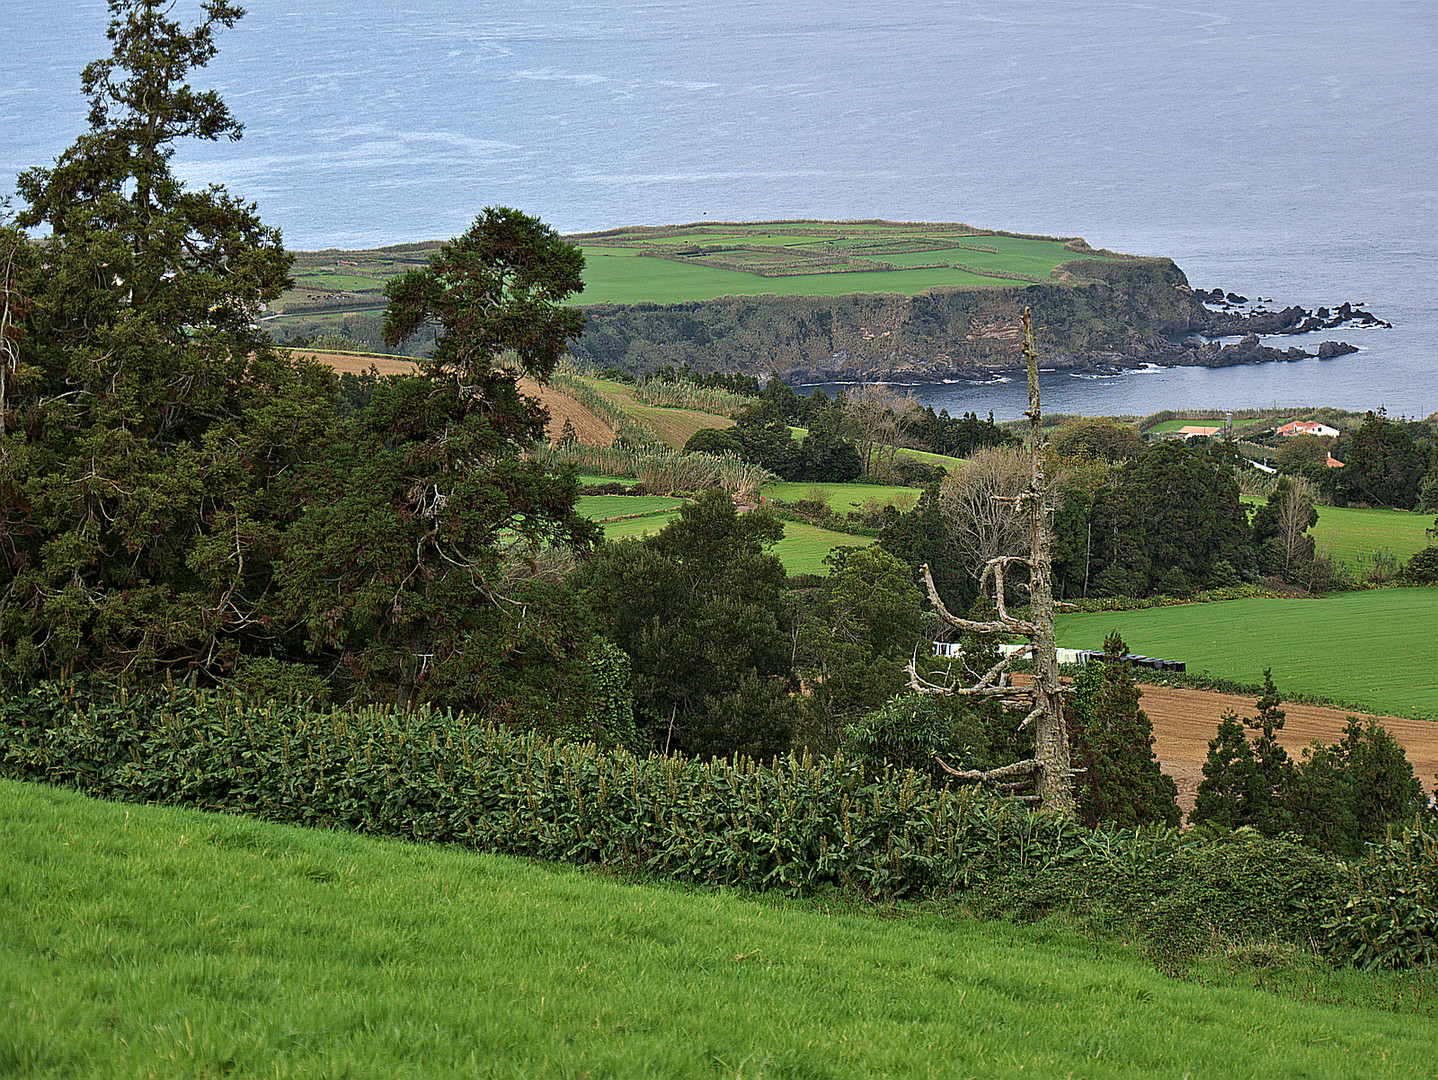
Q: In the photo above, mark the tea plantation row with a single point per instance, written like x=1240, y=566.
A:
x=794, y=825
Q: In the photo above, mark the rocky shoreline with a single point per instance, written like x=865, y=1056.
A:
x=1197, y=342
x=1200, y=346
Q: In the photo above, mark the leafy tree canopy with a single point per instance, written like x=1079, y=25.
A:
x=699, y=609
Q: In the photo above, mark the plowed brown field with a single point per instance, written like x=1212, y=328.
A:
x=591, y=430
x=1185, y=720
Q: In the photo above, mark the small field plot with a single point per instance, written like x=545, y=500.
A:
x=613, y=507
x=843, y=498
x=804, y=547
x=1374, y=649
x=1354, y=536
x=675, y=426
x=626, y=516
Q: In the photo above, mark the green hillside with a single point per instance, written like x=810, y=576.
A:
x=142, y=941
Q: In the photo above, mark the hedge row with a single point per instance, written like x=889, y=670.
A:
x=796, y=825
x=437, y=776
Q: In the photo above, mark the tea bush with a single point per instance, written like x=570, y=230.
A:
x=796, y=825
x=1390, y=917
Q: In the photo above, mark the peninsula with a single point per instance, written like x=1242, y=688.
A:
x=861, y=301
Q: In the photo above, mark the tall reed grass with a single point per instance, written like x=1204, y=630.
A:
x=714, y=400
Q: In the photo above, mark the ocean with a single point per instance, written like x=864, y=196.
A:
x=1285, y=151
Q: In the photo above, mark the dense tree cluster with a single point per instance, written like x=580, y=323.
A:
x=1385, y=463
x=699, y=608
x=178, y=496
x=1338, y=797
x=763, y=436
x=1169, y=520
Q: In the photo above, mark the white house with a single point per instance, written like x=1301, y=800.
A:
x=1307, y=427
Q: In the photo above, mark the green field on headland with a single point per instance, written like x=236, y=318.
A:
x=674, y=264
x=705, y=262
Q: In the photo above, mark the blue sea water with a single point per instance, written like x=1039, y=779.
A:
x=1283, y=150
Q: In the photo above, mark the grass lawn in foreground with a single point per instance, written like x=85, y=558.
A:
x=152, y=942
x=1375, y=649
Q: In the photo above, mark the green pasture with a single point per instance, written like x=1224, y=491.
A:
x=942, y=460
x=141, y=941
x=626, y=516
x=844, y=498
x=614, y=278
x=802, y=551
x=1350, y=535
x=347, y=282
x=1373, y=649
x=617, y=272
x=1176, y=425
x=630, y=528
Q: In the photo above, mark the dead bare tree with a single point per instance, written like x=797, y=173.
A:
x=1048, y=772
x=1295, y=516
x=878, y=418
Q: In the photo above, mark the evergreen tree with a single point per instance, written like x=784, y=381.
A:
x=1229, y=777
x=417, y=565
x=1350, y=793
x=1248, y=783
x=1111, y=742
x=699, y=609
x=152, y=434
x=1268, y=809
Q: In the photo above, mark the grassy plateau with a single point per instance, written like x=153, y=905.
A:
x=152, y=942
x=1374, y=649
x=706, y=261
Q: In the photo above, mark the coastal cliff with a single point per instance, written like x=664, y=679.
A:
x=1097, y=314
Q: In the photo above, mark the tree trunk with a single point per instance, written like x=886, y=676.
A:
x=1051, y=769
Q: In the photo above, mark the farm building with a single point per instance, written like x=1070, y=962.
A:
x=1307, y=427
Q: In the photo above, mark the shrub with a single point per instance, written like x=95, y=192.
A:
x=906, y=732
x=1422, y=569
x=1350, y=793
x=1390, y=917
